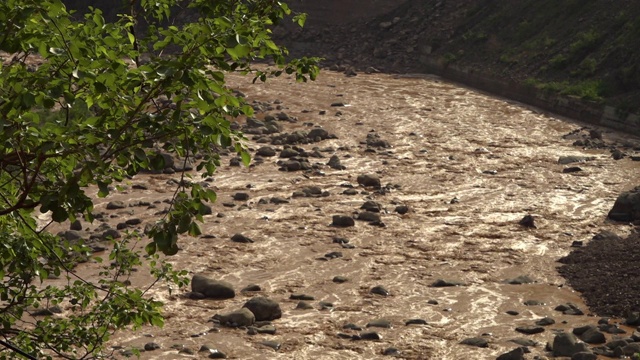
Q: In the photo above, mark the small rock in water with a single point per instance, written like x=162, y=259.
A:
x=370, y=335
x=239, y=238
x=391, y=352
x=446, y=283
x=241, y=196
x=533, y=303
x=303, y=305
x=343, y=221
x=513, y=312
x=415, y=322
x=515, y=354
x=251, y=288
x=340, y=279
x=571, y=169
x=215, y=289
x=264, y=308
x=546, y=321
x=476, y=341
x=151, y=346
x=528, y=222
x=522, y=279
x=380, y=290
x=301, y=297
x=530, y=330
x=272, y=344
x=402, y=209
x=369, y=181
x=242, y=317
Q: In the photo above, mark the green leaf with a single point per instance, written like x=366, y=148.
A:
x=246, y=158
x=151, y=248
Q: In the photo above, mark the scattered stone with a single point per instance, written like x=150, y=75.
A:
x=515, y=354
x=213, y=289
x=338, y=104
x=545, y=321
x=524, y=342
x=241, y=196
x=391, y=351
x=571, y=169
x=264, y=308
x=251, y=288
x=151, y=346
x=70, y=235
x=584, y=355
x=272, y=344
x=266, y=151
x=239, y=238
x=333, y=255
x=402, y=209
x=288, y=152
x=627, y=206
x=530, y=330
x=566, y=344
x=111, y=234
x=303, y=305
x=76, y=225
x=476, y=341
x=47, y=311
x=278, y=200
x=340, y=279
x=415, y=322
x=216, y=354
x=528, y=222
x=242, y=317
x=370, y=335
x=380, y=290
x=334, y=163
x=592, y=336
x=369, y=216
x=114, y=205
x=447, y=283
x=301, y=297
x=569, y=309
x=369, y=181
x=343, y=221
x=372, y=206
x=512, y=312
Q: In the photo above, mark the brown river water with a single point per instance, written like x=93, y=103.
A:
x=443, y=137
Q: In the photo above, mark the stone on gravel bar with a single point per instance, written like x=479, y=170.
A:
x=237, y=318
x=213, y=289
x=369, y=180
x=239, y=238
x=446, y=283
x=476, y=341
x=264, y=308
x=343, y=221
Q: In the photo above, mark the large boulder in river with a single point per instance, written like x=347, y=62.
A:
x=210, y=288
x=264, y=308
x=627, y=206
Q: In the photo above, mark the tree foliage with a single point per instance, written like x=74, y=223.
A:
x=87, y=102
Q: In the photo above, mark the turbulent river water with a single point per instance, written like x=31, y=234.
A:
x=497, y=159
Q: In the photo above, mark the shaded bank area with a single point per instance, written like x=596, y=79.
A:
x=576, y=58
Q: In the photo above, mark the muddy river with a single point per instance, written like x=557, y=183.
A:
x=469, y=167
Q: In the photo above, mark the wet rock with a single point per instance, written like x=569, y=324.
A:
x=338, y=104
x=391, y=351
x=239, y=238
x=288, y=153
x=584, y=355
x=333, y=255
x=592, y=336
x=318, y=134
x=334, y=163
x=213, y=289
x=266, y=151
x=351, y=326
x=370, y=335
x=278, y=200
x=571, y=169
x=415, y=322
x=216, y=354
x=70, y=235
x=512, y=312
x=476, y=341
x=530, y=330
x=372, y=206
x=133, y=221
x=566, y=344
x=627, y=206
x=343, y=221
x=301, y=297
x=381, y=323
x=303, y=305
x=569, y=309
x=76, y=225
x=528, y=222
x=369, y=216
x=151, y=346
x=627, y=350
x=339, y=279
x=264, y=308
x=111, y=234
x=515, y=354
x=402, y=209
x=373, y=140
x=446, y=283
x=114, y=205
x=380, y=290
x=522, y=279
x=251, y=288
x=241, y=196
x=546, y=321
x=369, y=181
x=47, y=311
x=272, y=344
x=312, y=191
x=242, y=317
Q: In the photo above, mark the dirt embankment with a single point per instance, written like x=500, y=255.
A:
x=587, y=50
